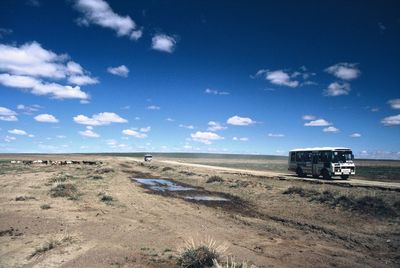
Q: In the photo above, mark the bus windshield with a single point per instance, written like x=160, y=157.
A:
x=342, y=156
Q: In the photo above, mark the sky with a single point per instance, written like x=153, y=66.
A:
x=247, y=77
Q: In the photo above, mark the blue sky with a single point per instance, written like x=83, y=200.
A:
x=205, y=76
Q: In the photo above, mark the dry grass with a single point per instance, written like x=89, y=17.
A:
x=67, y=190
x=231, y=263
x=200, y=255
x=49, y=245
x=214, y=179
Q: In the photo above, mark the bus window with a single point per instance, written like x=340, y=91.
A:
x=292, y=156
x=299, y=156
x=307, y=156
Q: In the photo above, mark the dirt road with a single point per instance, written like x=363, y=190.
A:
x=353, y=182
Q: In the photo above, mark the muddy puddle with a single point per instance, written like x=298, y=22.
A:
x=180, y=190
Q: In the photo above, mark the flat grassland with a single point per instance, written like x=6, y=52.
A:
x=97, y=216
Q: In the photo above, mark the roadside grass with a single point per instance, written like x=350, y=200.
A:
x=214, y=179
x=67, y=190
x=366, y=204
x=104, y=170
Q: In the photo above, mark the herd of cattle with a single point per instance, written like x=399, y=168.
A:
x=55, y=162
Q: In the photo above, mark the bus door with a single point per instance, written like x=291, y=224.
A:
x=315, y=165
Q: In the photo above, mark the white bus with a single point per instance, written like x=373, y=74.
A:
x=324, y=161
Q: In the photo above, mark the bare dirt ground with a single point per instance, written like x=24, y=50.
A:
x=108, y=220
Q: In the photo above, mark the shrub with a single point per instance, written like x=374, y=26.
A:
x=230, y=263
x=214, y=179
x=64, y=190
x=97, y=177
x=108, y=199
x=167, y=169
x=24, y=198
x=200, y=255
x=45, y=206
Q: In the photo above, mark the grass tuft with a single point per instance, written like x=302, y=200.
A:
x=200, y=255
x=214, y=179
x=67, y=190
x=231, y=263
x=167, y=169
x=24, y=198
x=108, y=199
x=45, y=206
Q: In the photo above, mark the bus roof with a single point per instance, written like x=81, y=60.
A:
x=322, y=149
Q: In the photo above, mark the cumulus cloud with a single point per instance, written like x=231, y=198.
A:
x=163, y=42
x=18, y=132
x=134, y=133
x=287, y=78
x=145, y=129
x=121, y=70
x=317, y=123
x=355, y=135
x=89, y=133
x=344, y=70
x=46, y=118
x=394, y=103
x=240, y=138
x=274, y=135
x=115, y=144
x=205, y=137
x=240, y=121
x=309, y=117
x=26, y=66
x=331, y=129
x=186, y=126
x=100, y=13
x=391, y=120
x=7, y=114
x=170, y=119
x=337, y=89
x=153, y=107
x=99, y=119
x=215, y=126
x=215, y=92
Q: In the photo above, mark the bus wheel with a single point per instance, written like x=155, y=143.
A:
x=299, y=172
x=344, y=177
x=325, y=174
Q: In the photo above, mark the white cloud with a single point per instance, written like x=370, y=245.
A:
x=61, y=136
x=391, y=120
x=134, y=133
x=273, y=135
x=46, y=118
x=309, y=117
x=395, y=103
x=330, y=129
x=337, y=89
x=186, y=126
x=88, y=133
x=18, y=132
x=240, y=139
x=37, y=87
x=30, y=61
x=355, y=135
x=240, y=121
x=215, y=126
x=99, y=119
x=170, y=119
x=205, y=137
x=318, y=123
x=29, y=109
x=145, y=129
x=215, y=92
x=99, y=12
x=81, y=80
x=344, y=70
x=281, y=78
x=153, y=107
x=9, y=138
x=285, y=78
x=7, y=114
x=164, y=43
x=115, y=144
x=120, y=70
